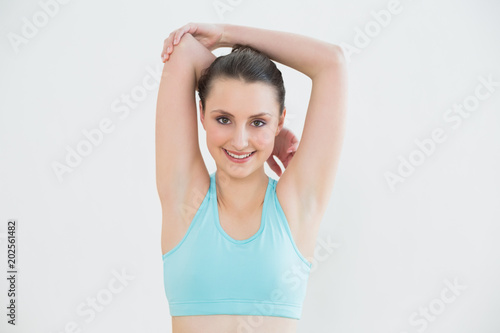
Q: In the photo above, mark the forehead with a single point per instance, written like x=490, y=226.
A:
x=242, y=98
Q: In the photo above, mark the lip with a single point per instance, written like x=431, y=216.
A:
x=239, y=160
x=236, y=153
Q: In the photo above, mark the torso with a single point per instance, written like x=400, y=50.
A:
x=233, y=323
x=305, y=239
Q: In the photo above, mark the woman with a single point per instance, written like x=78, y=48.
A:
x=238, y=245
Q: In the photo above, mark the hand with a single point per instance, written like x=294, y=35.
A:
x=209, y=35
x=285, y=146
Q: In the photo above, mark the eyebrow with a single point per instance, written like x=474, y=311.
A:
x=253, y=116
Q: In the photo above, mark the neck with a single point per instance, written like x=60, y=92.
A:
x=241, y=195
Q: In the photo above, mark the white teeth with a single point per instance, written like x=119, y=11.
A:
x=236, y=156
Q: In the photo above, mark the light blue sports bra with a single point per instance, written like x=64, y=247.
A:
x=210, y=273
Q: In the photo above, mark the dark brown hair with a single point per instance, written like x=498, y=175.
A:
x=245, y=63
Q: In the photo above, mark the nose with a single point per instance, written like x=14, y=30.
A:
x=240, y=138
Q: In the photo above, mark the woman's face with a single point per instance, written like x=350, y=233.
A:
x=241, y=118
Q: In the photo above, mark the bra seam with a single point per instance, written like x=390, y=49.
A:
x=297, y=305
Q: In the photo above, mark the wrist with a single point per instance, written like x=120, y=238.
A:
x=225, y=40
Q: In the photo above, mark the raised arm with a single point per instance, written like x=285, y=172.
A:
x=305, y=54
x=178, y=156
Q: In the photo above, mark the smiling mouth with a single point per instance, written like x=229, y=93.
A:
x=239, y=156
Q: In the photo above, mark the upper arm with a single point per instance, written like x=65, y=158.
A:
x=178, y=156
x=311, y=171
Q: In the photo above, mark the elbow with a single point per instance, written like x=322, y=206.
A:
x=336, y=54
x=331, y=60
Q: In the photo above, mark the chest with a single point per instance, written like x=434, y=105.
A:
x=240, y=226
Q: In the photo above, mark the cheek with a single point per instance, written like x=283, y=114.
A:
x=265, y=139
x=216, y=135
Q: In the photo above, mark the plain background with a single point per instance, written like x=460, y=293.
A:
x=395, y=249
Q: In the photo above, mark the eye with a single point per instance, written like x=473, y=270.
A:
x=225, y=123
x=221, y=118
x=260, y=121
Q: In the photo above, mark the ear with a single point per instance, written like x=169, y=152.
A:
x=281, y=122
x=201, y=115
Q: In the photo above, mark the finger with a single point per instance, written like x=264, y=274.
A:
x=177, y=37
x=167, y=48
x=170, y=43
x=164, y=50
x=286, y=160
x=179, y=33
x=189, y=29
x=274, y=166
x=166, y=54
x=277, y=170
x=293, y=148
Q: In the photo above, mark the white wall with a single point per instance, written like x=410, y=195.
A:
x=395, y=248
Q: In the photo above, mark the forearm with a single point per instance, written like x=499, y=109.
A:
x=305, y=54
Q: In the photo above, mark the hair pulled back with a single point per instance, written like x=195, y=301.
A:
x=245, y=63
